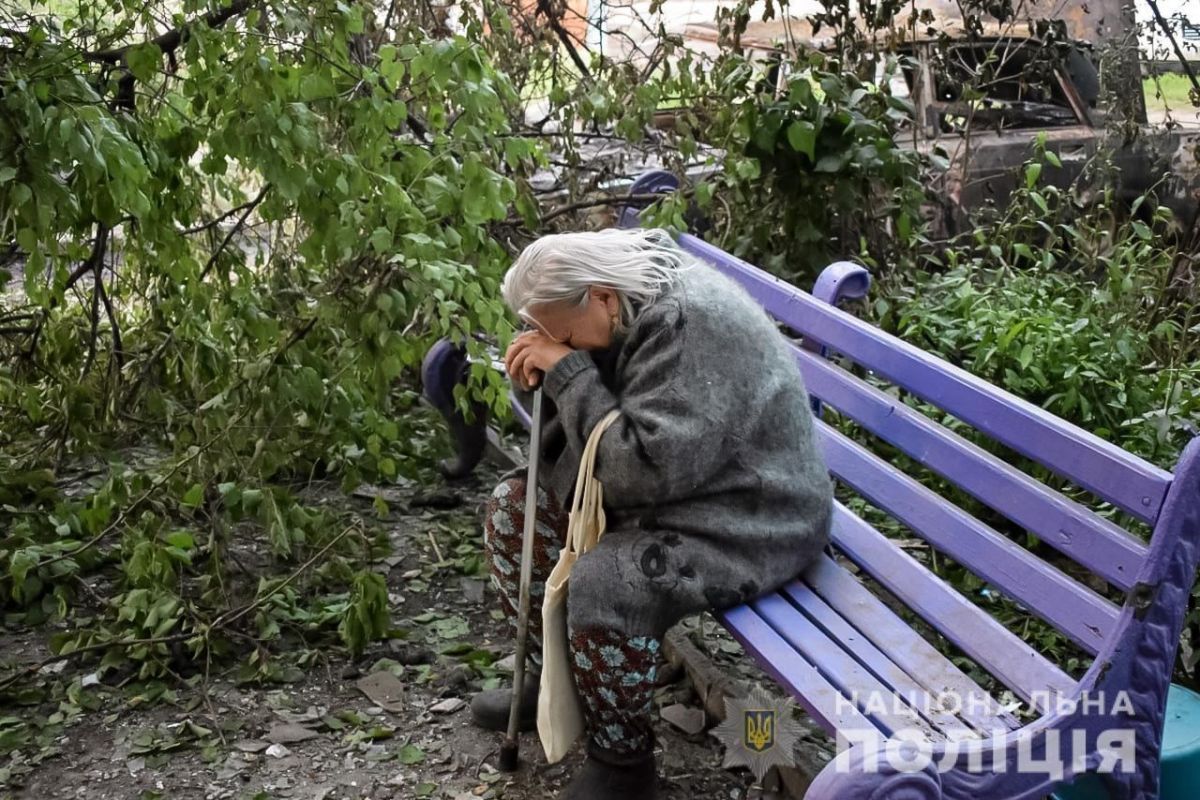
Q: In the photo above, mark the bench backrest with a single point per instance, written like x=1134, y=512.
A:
x=1078, y=533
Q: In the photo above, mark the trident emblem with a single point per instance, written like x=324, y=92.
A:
x=760, y=729
x=759, y=732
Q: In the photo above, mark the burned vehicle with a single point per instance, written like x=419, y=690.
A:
x=981, y=100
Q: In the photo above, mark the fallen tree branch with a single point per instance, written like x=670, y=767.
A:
x=153, y=358
x=228, y=618
x=38, y=666
x=196, y=451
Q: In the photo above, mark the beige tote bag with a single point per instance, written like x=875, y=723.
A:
x=560, y=713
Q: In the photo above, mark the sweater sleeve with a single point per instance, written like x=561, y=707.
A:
x=675, y=427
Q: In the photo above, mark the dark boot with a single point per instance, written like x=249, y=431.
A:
x=490, y=708
x=609, y=776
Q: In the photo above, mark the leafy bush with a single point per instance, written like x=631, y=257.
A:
x=1070, y=307
x=813, y=174
x=1080, y=309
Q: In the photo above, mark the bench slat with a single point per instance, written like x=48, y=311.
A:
x=867, y=614
x=1017, y=665
x=1075, y=610
x=851, y=679
x=1102, y=468
x=1101, y=546
x=838, y=632
x=812, y=691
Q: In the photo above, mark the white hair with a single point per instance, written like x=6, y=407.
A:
x=639, y=264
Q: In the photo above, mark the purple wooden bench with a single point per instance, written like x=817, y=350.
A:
x=865, y=673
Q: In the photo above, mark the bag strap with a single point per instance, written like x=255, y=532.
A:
x=587, y=462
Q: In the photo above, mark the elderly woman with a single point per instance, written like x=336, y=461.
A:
x=714, y=489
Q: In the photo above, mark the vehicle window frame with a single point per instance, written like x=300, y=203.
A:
x=929, y=109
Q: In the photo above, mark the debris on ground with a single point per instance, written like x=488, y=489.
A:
x=389, y=724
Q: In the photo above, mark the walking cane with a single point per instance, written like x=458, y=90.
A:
x=511, y=747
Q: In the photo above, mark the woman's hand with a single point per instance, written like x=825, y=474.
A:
x=532, y=355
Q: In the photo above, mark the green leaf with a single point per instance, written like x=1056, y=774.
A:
x=802, y=136
x=381, y=240
x=21, y=193
x=411, y=754
x=27, y=240
x=181, y=539
x=748, y=169
x=1012, y=333
x=251, y=498
x=354, y=18
x=1032, y=173
x=144, y=60
x=193, y=497
x=1026, y=357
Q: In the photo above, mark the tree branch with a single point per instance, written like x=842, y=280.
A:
x=95, y=263
x=624, y=199
x=224, y=620
x=212, y=260
x=115, y=328
x=171, y=40
x=212, y=223
x=543, y=8
x=1166, y=29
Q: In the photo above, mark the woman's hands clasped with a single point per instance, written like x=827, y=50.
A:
x=531, y=355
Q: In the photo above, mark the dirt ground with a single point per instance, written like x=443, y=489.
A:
x=319, y=736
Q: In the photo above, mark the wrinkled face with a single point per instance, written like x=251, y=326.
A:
x=582, y=327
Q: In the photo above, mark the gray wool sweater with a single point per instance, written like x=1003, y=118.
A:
x=713, y=464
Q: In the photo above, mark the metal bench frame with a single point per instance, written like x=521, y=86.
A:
x=833, y=643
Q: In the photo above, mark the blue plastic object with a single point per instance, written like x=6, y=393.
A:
x=1180, y=754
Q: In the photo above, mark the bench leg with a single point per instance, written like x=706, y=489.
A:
x=445, y=366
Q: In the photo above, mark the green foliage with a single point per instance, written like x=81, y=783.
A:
x=1080, y=308
x=1071, y=307
x=234, y=249
x=366, y=616
x=835, y=177
x=812, y=173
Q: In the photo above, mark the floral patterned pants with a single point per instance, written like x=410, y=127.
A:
x=615, y=673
